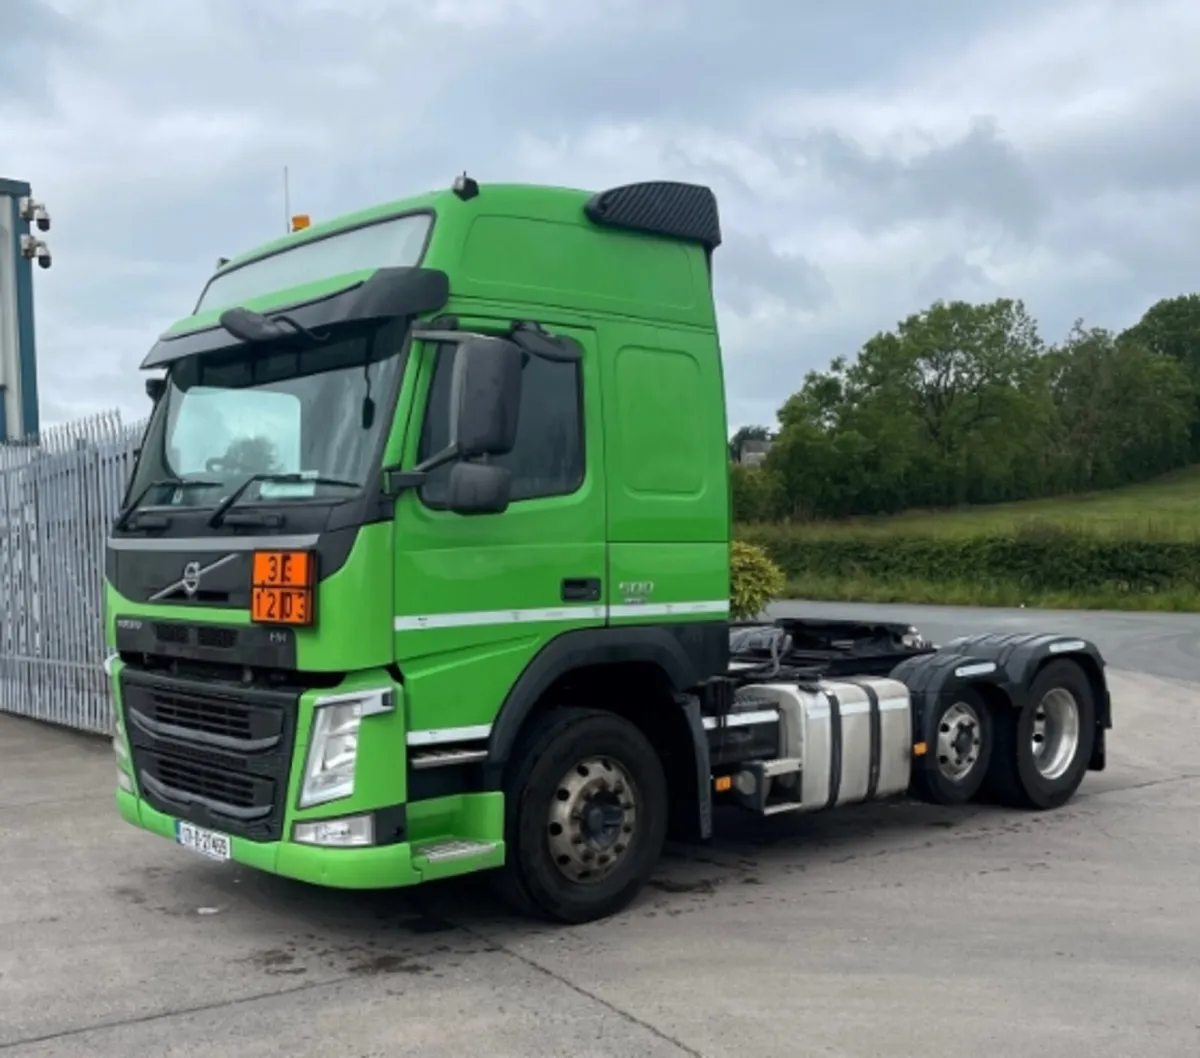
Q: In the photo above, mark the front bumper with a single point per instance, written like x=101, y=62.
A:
x=471, y=820
x=230, y=760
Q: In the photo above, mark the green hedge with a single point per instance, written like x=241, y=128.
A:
x=1047, y=559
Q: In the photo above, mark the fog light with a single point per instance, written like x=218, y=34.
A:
x=347, y=832
x=125, y=781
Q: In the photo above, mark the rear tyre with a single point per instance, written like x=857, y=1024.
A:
x=1042, y=752
x=586, y=817
x=956, y=761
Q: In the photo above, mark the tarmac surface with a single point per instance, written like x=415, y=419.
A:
x=890, y=930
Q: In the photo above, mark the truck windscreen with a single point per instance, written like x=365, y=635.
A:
x=314, y=411
x=397, y=242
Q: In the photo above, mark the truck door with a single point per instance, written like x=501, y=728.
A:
x=477, y=597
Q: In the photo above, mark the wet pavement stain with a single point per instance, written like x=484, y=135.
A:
x=387, y=964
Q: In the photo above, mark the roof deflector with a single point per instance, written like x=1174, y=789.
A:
x=660, y=207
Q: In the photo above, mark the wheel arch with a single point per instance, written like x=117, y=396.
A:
x=1004, y=667
x=642, y=673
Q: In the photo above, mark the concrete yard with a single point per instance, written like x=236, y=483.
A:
x=897, y=930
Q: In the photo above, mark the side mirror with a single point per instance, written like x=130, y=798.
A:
x=478, y=488
x=155, y=388
x=485, y=397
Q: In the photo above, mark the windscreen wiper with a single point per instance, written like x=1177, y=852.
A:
x=123, y=518
x=218, y=516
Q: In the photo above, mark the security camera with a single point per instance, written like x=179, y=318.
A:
x=34, y=212
x=33, y=248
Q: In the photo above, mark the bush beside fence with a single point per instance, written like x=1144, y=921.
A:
x=58, y=498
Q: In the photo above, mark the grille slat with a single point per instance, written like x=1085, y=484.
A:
x=213, y=717
x=241, y=791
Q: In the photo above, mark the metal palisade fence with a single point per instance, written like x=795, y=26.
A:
x=58, y=498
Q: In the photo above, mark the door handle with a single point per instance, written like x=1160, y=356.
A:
x=581, y=589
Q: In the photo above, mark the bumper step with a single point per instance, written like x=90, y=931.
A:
x=454, y=849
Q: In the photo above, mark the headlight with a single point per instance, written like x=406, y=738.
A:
x=333, y=749
x=332, y=754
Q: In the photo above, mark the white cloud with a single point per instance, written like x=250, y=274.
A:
x=868, y=157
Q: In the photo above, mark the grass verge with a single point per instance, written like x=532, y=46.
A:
x=985, y=593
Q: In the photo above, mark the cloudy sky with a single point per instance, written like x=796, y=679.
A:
x=870, y=156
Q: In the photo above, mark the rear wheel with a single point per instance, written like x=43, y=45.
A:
x=1042, y=752
x=956, y=761
x=586, y=805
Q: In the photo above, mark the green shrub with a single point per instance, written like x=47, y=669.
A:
x=755, y=581
x=1039, y=559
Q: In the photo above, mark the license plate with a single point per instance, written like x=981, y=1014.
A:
x=206, y=842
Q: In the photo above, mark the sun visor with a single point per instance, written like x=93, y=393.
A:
x=389, y=293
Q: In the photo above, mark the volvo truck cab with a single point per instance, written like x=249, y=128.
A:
x=424, y=569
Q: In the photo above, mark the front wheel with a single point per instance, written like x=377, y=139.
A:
x=956, y=760
x=586, y=807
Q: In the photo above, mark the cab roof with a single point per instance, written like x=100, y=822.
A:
x=666, y=208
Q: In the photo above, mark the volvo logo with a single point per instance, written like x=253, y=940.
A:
x=190, y=581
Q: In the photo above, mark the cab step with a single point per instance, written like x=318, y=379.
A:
x=454, y=849
x=779, y=807
x=754, y=784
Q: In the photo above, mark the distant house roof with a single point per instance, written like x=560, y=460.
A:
x=752, y=453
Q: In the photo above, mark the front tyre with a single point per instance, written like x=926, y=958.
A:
x=1042, y=752
x=586, y=806
x=957, y=757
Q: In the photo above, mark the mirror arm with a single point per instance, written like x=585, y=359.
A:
x=397, y=480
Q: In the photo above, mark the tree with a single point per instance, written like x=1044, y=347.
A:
x=1171, y=328
x=251, y=455
x=923, y=416
x=1124, y=412
x=964, y=403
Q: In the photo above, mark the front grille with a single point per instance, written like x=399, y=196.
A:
x=210, y=718
x=193, y=787
x=171, y=633
x=215, y=754
x=218, y=638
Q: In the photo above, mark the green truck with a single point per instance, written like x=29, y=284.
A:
x=423, y=569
